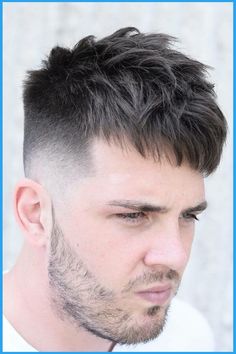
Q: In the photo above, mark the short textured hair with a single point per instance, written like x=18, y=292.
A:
x=128, y=86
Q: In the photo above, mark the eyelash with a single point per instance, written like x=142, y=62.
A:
x=132, y=217
x=190, y=217
x=138, y=216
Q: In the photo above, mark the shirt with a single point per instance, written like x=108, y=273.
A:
x=186, y=330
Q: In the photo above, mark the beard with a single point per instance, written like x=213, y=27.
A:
x=78, y=297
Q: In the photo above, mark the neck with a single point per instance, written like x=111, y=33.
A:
x=28, y=308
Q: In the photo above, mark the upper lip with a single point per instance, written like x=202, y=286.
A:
x=156, y=289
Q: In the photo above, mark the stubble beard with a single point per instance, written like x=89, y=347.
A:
x=78, y=298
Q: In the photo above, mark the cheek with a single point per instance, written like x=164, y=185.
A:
x=102, y=248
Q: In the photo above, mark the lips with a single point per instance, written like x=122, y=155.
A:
x=158, y=295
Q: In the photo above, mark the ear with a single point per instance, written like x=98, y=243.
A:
x=33, y=211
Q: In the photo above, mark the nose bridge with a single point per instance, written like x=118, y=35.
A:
x=167, y=247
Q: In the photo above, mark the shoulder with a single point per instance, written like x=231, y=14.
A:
x=186, y=329
x=12, y=341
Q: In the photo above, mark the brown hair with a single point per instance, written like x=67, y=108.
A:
x=131, y=86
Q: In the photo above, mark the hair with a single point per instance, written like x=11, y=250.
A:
x=128, y=86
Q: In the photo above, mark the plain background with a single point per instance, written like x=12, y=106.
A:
x=205, y=33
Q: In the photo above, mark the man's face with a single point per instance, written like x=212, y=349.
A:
x=120, y=243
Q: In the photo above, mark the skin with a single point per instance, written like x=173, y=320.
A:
x=92, y=248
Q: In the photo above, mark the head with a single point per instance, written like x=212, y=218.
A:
x=119, y=135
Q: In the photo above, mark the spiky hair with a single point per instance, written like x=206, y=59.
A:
x=129, y=86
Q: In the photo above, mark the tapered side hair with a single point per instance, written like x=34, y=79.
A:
x=127, y=87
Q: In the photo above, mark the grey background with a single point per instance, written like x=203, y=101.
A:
x=205, y=31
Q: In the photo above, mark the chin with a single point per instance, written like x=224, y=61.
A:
x=147, y=326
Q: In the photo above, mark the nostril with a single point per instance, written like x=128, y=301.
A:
x=173, y=258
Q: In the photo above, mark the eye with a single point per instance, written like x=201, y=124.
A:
x=190, y=217
x=133, y=218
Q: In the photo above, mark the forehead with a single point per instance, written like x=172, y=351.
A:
x=112, y=158
x=124, y=173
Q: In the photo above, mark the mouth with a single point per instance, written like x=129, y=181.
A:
x=158, y=295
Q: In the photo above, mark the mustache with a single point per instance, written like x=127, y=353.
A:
x=149, y=278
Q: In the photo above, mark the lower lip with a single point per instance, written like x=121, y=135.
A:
x=158, y=298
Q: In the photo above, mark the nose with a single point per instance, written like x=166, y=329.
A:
x=168, y=248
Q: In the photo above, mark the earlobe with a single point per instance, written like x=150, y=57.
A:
x=32, y=207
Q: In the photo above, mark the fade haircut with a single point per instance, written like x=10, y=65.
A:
x=127, y=87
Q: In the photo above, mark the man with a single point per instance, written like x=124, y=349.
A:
x=119, y=135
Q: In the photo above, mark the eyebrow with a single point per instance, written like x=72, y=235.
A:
x=147, y=207
x=198, y=208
